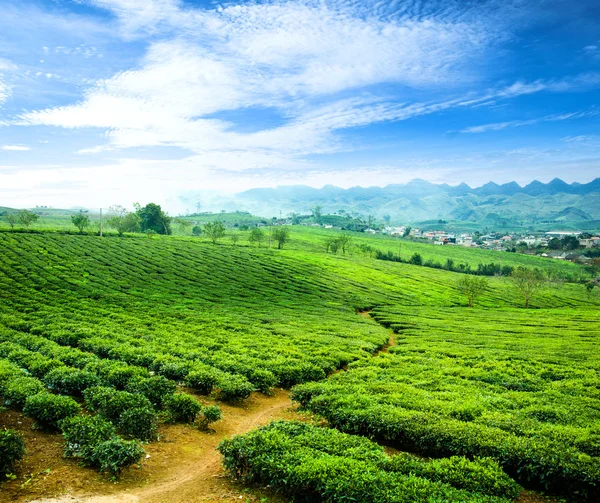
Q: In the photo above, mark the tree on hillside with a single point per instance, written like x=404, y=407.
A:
x=81, y=221
x=234, y=239
x=256, y=236
x=215, y=231
x=407, y=232
x=344, y=242
x=282, y=236
x=122, y=220
x=528, y=282
x=472, y=287
x=416, y=259
x=12, y=219
x=196, y=230
x=317, y=212
x=27, y=217
x=153, y=217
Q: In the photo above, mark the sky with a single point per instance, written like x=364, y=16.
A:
x=118, y=101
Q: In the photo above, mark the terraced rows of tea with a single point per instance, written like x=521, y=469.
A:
x=522, y=388
x=102, y=337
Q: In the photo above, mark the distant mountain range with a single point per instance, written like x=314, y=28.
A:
x=509, y=204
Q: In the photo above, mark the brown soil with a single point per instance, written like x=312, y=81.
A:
x=183, y=466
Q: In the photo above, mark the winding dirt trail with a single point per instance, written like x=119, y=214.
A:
x=183, y=467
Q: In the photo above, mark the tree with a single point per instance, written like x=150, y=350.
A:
x=569, y=243
x=27, y=217
x=256, y=236
x=81, y=221
x=122, y=220
x=406, y=232
x=317, y=212
x=196, y=230
x=11, y=218
x=153, y=217
x=472, y=287
x=344, y=241
x=234, y=239
x=416, y=259
x=554, y=244
x=215, y=231
x=282, y=236
x=527, y=282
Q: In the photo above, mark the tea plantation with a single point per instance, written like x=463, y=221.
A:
x=102, y=338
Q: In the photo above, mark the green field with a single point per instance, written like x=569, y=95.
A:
x=104, y=320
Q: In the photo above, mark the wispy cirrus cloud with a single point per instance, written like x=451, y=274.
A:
x=498, y=126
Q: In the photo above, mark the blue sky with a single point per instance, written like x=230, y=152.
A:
x=115, y=101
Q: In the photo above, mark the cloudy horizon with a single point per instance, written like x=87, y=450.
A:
x=114, y=101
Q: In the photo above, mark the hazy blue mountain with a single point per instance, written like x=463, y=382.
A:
x=419, y=200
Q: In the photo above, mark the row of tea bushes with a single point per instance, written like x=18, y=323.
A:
x=309, y=463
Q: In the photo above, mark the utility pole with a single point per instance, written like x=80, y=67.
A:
x=270, y=227
x=100, y=222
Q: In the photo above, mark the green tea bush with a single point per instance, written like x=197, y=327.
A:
x=120, y=377
x=155, y=388
x=234, y=387
x=48, y=409
x=19, y=389
x=140, y=423
x=70, y=381
x=113, y=404
x=263, y=379
x=114, y=455
x=319, y=464
x=97, y=397
x=183, y=408
x=210, y=414
x=83, y=433
x=202, y=380
x=12, y=450
x=8, y=372
x=482, y=475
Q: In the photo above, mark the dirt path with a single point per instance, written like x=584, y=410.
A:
x=184, y=466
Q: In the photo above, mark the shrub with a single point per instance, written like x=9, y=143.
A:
x=48, y=409
x=210, y=414
x=39, y=366
x=114, y=455
x=202, y=380
x=70, y=381
x=234, y=387
x=263, y=379
x=83, y=433
x=119, y=377
x=97, y=397
x=118, y=402
x=18, y=390
x=182, y=407
x=140, y=423
x=12, y=449
x=155, y=388
x=8, y=372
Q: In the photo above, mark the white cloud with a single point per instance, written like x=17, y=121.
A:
x=283, y=55
x=15, y=148
x=498, y=126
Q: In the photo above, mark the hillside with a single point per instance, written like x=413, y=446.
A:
x=489, y=205
x=226, y=324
